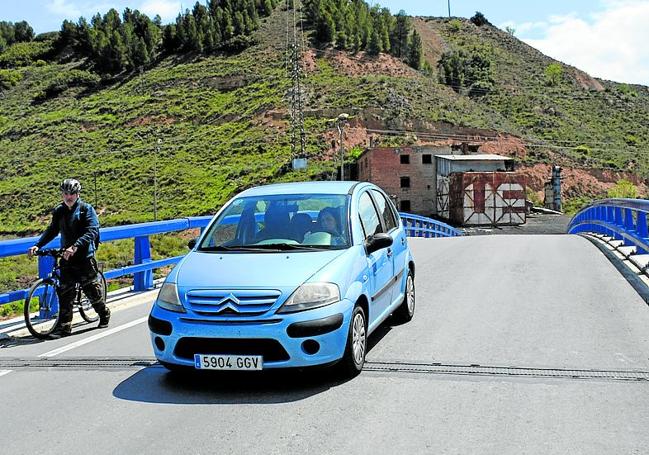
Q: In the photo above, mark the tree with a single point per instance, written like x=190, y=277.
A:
x=23, y=32
x=400, y=34
x=3, y=44
x=479, y=19
x=553, y=74
x=375, y=45
x=7, y=32
x=416, y=54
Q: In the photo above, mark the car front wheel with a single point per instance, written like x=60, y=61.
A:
x=356, y=347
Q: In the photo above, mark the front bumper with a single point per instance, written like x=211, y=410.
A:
x=302, y=339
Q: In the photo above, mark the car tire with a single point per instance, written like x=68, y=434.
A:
x=406, y=310
x=353, y=359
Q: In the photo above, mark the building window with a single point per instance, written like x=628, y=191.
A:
x=404, y=206
x=426, y=159
x=405, y=159
x=405, y=182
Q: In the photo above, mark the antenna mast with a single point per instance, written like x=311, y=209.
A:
x=294, y=67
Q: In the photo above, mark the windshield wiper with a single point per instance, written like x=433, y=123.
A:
x=291, y=246
x=230, y=248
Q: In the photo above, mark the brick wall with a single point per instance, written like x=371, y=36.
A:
x=383, y=167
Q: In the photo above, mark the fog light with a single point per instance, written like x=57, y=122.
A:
x=159, y=343
x=310, y=346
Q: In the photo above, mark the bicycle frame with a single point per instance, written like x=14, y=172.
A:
x=55, y=277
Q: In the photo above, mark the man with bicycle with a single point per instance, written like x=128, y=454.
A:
x=78, y=225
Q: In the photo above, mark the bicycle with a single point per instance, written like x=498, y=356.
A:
x=41, y=305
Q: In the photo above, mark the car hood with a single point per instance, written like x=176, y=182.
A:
x=242, y=270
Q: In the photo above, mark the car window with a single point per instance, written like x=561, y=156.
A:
x=385, y=210
x=287, y=222
x=369, y=217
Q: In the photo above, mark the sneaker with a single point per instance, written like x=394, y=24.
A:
x=103, y=319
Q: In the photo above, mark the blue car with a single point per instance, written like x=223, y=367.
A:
x=287, y=275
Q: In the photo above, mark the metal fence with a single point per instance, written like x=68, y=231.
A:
x=143, y=265
x=620, y=219
x=420, y=226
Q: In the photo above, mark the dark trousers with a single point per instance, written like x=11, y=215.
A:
x=86, y=273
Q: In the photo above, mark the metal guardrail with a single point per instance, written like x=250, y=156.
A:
x=421, y=226
x=621, y=219
x=143, y=265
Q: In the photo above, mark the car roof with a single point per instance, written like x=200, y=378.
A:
x=302, y=187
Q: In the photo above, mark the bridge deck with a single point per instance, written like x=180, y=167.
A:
x=530, y=344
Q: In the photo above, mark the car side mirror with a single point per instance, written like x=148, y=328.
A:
x=377, y=242
x=192, y=243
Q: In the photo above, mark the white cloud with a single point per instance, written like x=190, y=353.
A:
x=167, y=9
x=610, y=44
x=63, y=8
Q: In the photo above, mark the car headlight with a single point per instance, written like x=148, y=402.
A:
x=311, y=295
x=168, y=298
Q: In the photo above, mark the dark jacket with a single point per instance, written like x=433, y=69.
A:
x=78, y=226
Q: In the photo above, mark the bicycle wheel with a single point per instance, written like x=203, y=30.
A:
x=41, y=308
x=86, y=310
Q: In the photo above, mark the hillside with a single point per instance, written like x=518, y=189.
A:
x=208, y=127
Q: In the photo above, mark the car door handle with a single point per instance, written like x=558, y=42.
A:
x=389, y=252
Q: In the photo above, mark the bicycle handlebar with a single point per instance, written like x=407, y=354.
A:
x=54, y=252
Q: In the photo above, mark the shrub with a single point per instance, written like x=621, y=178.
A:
x=553, y=74
x=479, y=19
x=23, y=54
x=9, y=78
x=66, y=80
x=455, y=25
x=623, y=189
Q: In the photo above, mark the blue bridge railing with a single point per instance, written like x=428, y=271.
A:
x=143, y=265
x=621, y=219
x=420, y=226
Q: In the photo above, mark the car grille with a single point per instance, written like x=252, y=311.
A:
x=270, y=350
x=221, y=303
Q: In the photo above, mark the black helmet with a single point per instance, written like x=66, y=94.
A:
x=71, y=186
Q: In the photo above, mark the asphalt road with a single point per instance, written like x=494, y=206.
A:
x=520, y=344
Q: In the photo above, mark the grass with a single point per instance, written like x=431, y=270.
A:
x=201, y=129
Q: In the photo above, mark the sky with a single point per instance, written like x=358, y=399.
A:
x=606, y=38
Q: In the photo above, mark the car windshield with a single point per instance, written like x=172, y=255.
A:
x=281, y=223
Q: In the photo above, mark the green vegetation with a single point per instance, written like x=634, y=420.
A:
x=623, y=189
x=196, y=127
x=355, y=26
x=553, y=74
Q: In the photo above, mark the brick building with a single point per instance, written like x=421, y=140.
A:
x=407, y=174
x=467, y=189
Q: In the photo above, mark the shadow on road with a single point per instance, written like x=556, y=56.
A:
x=158, y=385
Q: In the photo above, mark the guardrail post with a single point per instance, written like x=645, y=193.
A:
x=142, y=280
x=629, y=225
x=642, y=230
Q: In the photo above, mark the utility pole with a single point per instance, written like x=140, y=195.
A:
x=449, y=8
x=341, y=120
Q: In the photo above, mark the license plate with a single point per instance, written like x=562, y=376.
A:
x=227, y=362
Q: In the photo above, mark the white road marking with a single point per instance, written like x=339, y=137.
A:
x=106, y=333
x=3, y=372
